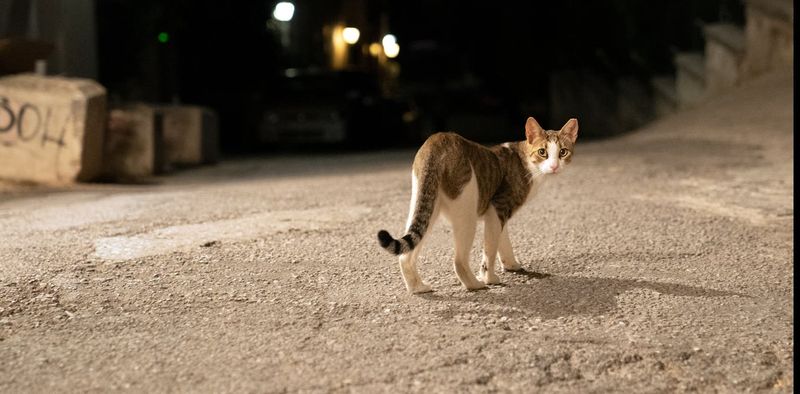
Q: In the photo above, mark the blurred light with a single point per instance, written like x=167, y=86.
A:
x=284, y=11
x=291, y=72
x=391, y=50
x=388, y=40
x=350, y=35
x=409, y=116
x=339, y=53
x=163, y=37
x=375, y=49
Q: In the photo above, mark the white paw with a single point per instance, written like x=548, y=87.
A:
x=512, y=267
x=421, y=288
x=478, y=285
x=490, y=278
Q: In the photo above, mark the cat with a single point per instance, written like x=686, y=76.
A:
x=466, y=181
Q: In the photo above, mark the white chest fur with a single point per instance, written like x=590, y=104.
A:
x=536, y=185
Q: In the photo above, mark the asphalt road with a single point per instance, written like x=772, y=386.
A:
x=659, y=261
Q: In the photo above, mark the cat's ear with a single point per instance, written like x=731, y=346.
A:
x=570, y=129
x=533, y=130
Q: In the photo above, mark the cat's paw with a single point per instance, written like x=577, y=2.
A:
x=513, y=267
x=421, y=288
x=490, y=278
x=478, y=285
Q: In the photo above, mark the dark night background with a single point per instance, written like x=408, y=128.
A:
x=462, y=64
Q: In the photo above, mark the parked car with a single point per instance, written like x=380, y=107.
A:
x=330, y=107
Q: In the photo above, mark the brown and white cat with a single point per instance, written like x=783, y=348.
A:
x=466, y=181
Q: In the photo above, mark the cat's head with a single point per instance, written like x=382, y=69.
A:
x=549, y=151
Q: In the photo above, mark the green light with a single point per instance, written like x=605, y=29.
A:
x=163, y=37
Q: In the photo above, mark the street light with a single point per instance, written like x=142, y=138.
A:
x=351, y=35
x=390, y=46
x=375, y=49
x=388, y=40
x=284, y=11
x=391, y=50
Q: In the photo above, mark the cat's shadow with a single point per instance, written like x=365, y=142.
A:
x=551, y=296
x=529, y=274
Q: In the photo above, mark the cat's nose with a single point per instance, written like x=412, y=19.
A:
x=554, y=168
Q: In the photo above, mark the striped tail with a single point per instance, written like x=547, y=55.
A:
x=418, y=225
x=398, y=246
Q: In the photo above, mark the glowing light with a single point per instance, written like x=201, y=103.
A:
x=388, y=40
x=375, y=49
x=391, y=50
x=284, y=11
x=351, y=35
x=163, y=37
x=339, y=54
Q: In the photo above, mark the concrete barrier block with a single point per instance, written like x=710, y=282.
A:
x=134, y=143
x=190, y=135
x=51, y=128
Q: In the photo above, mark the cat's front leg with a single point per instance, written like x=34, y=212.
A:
x=506, y=253
x=491, y=231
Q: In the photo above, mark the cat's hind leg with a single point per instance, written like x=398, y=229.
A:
x=463, y=216
x=492, y=228
x=408, y=262
x=464, y=234
x=505, y=252
x=408, y=268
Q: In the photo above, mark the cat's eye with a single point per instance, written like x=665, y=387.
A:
x=542, y=152
x=563, y=152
